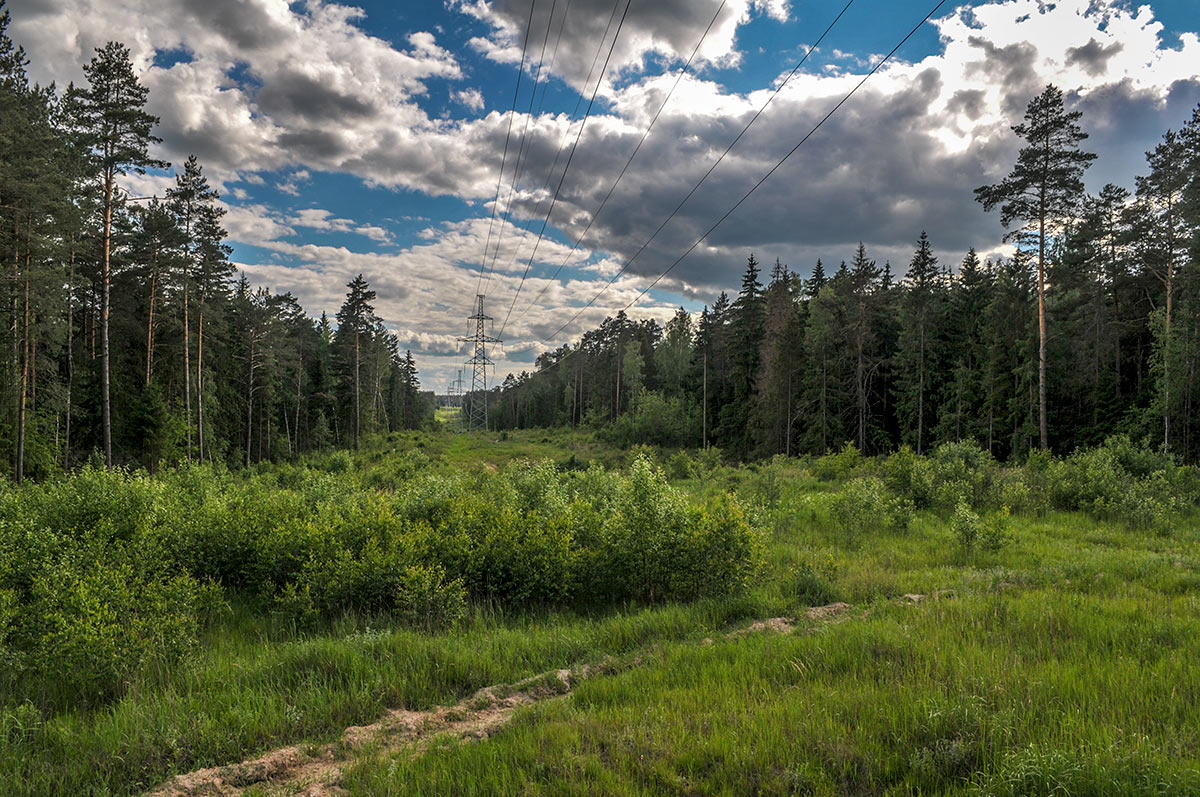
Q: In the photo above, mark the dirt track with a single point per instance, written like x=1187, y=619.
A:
x=318, y=769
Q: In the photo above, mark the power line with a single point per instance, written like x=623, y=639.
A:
x=507, y=137
x=563, y=141
x=712, y=168
x=755, y=187
x=512, y=189
x=567, y=168
x=625, y=168
x=782, y=160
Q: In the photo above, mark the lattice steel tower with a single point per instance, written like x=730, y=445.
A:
x=475, y=402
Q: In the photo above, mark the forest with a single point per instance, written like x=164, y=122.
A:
x=1090, y=328
x=129, y=338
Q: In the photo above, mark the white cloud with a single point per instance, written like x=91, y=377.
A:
x=471, y=98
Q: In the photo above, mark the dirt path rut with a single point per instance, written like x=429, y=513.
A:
x=310, y=769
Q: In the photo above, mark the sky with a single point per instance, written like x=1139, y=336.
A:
x=379, y=137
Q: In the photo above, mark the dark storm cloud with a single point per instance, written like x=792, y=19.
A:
x=314, y=145
x=968, y=102
x=1123, y=121
x=1013, y=67
x=875, y=171
x=299, y=96
x=1093, y=56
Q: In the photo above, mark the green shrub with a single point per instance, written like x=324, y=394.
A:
x=338, y=462
x=682, y=466
x=108, y=574
x=832, y=467
x=866, y=505
x=910, y=476
x=966, y=526
x=963, y=471
x=425, y=600
x=971, y=531
x=657, y=420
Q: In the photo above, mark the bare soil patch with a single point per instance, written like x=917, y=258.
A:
x=319, y=769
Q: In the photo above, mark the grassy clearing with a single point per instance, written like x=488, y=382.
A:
x=1063, y=664
x=1061, y=659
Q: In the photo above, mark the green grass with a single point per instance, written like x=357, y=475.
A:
x=1063, y=663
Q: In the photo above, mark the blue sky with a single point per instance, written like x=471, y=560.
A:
x=369, y=138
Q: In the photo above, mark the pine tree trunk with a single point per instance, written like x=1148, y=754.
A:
x=250, y=403
x=70, y=358
x=921, y=393
x=187, y=358
x=150, y=327
x=1043, y=434
x=105, y=309
x=357, y=414
x=20, y=469
x=1167, y=328
x=299, y=375
x=200, y=380
x=14, y=335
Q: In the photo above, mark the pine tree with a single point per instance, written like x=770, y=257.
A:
x=776, y=382
x=823, y=396
x=673, y=356
x=119, y=134
x=1042, y=190
x=862, y=290
x=746, y=319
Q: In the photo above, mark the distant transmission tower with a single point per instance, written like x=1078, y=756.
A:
x=475, y=402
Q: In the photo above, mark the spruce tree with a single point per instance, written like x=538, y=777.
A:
x=1162, y=191
x=356, y=320
x=917, y=374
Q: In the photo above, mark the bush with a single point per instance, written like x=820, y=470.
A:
x=101, y=573
x=682, y=466
x=832, y=467
x=963, y=471
x=425, y=600
x=656, y=420
x=866, y=505
x=971, y=531
x=910, y=476
x=966, y=526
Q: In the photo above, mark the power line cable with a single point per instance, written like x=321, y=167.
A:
x=784, y=159
x=525, y=130
x=757, y=185
x=625, y=168
x=507, y=138
x=567, y=167
x=566, y=135
x=625, y=266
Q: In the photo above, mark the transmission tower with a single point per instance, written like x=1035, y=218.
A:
x=475, y=402
x=456, y=390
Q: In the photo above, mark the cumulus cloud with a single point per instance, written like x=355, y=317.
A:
x=470, y=98
x=666, y=29
x=260, y=85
